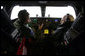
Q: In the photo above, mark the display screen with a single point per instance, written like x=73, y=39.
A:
x=56, y=20
x=34, y=20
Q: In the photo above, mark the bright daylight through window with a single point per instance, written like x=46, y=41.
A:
x=59, y=12
x=1, y=7
x=33, y=11
x=51, y=11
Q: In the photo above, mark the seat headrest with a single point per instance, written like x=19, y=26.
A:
x=78, y=24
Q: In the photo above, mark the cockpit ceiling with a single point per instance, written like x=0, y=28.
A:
x=37, y=3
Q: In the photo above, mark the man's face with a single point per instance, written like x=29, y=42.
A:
x=28, y=19
x=63, y=20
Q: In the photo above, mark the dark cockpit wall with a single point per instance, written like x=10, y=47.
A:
x=8, y=5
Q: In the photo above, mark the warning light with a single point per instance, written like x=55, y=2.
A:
x=46, y=31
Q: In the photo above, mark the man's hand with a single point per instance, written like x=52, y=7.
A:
x=40, y=26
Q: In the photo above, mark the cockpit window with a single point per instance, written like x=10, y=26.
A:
x=33, y=11
x=1, y=7
x=59, y=12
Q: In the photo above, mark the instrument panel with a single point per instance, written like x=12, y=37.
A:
x=43, y=27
